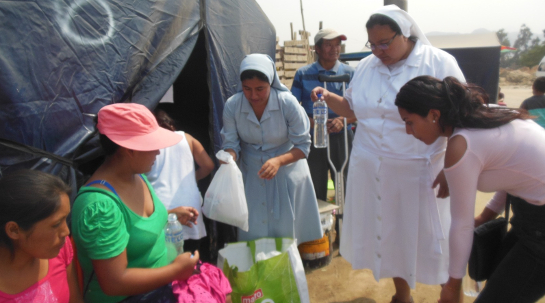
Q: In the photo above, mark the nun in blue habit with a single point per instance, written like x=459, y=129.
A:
x=267, y=132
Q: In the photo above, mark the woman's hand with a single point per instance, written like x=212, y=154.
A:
x=451, y=291
x=479, y=220
x=335, y=125
x=186, y=264
x=186, y=215
x=269, y=169
x=318, y=90
x=233, y=154
x=441, y=180
x=486, y=215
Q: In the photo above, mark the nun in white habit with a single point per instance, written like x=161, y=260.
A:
x=394, y=222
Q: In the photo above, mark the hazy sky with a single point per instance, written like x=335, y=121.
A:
x=454, y=16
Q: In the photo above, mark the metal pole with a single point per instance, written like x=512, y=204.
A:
x=402, y=4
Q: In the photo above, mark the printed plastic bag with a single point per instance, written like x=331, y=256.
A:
x=225, y=200
x=280, y=278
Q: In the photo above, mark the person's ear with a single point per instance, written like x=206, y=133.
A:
x=318, y=50
x=13, y=230
x=127, y=152
x=434, y=115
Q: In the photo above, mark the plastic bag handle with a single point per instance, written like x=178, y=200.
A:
x=278, y=244
x=251, y=244
x=225, y=157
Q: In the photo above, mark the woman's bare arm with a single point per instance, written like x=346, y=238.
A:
x=116, y=279
x=73, y=285
x=205, y=163
x=337, y=103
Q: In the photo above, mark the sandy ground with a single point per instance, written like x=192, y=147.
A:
x=514, y=95
x=339, y=283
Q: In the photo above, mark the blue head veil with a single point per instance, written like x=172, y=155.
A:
x=264, y=64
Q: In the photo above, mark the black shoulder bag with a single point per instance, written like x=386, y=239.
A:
x=487, y=241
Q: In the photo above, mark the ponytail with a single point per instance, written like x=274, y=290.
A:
x=460, y=105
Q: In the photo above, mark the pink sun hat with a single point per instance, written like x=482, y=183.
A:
x=133, y=126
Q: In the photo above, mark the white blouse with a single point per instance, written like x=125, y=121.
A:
x=507, y=159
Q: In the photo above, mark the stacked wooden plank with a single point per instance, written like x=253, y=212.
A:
x=295, y=56
x=310, y=49
x=292, y=56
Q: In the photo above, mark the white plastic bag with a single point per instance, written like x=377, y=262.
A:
x=225, y=200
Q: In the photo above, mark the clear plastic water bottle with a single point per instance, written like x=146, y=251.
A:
x=320, y=112
x=174, y=237
x=471, y=287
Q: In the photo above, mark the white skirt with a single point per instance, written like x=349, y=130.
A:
x=387, y=219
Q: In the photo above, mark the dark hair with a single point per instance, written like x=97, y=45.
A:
x=28, y=196
x=319, y=44
x=501, y=95
x=108, y=146
x=539, y=84
x=460, y=105
x=379, y=19
x=164, y=120
x=250, y=74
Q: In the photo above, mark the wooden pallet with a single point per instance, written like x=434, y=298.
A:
x=294, y=55
x=295, y=58
x=294, y=50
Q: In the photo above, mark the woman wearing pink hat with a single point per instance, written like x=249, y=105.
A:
x=118, y=221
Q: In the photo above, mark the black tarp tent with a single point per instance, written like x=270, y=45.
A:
x=62, y=60
x=478, y=56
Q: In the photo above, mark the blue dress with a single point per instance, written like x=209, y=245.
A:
x=285, y=206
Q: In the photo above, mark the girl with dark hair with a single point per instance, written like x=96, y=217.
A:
x=35, y=252
x=396, y=218
x=267, y=131
x=492, y=149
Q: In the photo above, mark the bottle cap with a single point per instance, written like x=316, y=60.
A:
x=319, y=96
x=172, y=218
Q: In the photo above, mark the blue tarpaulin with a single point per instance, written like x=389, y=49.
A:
x=62, y=60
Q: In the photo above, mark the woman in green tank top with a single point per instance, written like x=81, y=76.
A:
x=117, y=221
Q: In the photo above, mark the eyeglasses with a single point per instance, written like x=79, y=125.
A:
x=382, y=46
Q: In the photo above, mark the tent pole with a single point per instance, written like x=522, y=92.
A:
x=302, y=16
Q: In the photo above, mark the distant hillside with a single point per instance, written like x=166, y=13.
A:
x=441, y=33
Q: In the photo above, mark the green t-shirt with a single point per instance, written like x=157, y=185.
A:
x=103, y=226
